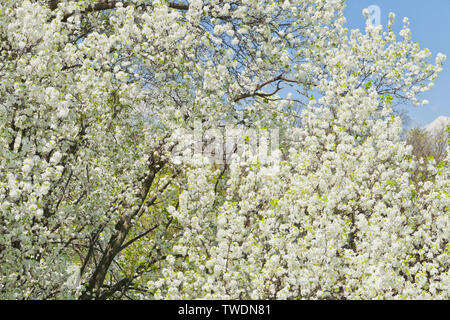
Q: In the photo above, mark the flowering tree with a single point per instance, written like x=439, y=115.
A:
x=96, y=95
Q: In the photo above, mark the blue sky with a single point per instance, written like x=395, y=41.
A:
x=430, y=26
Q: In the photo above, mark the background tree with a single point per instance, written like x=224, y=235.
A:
x=421, y=141
x=429, y=144
x=440, y=144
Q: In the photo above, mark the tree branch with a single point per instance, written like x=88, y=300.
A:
x=138, y=237
x=116, y=241
x=118, y=286
x=262, y=85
